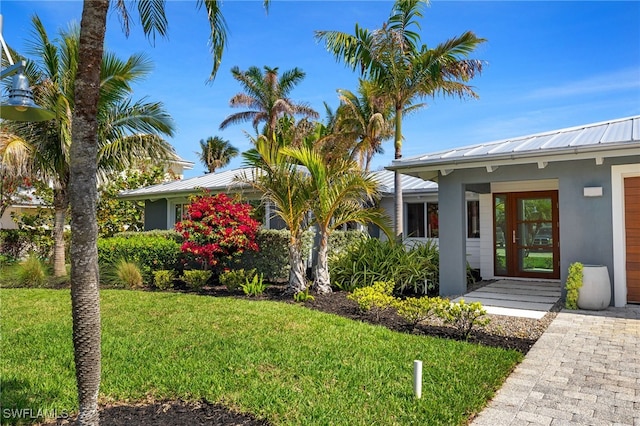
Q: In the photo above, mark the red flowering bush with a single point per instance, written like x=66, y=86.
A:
x=217, y=228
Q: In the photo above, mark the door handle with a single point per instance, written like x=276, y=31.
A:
x=514, y=236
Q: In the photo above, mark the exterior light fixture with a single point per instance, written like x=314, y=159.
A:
x=19, y=105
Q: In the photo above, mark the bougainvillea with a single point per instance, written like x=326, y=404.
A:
x=216, y=228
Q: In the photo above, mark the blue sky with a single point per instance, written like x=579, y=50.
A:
x=549, y=64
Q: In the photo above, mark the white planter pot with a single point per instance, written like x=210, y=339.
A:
x=595, y=293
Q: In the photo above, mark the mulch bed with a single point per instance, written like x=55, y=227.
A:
x=521, y=334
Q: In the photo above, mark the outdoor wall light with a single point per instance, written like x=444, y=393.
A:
x=19, y=105
x=592, y=191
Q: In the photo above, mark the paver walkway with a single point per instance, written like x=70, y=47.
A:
x=584, y=370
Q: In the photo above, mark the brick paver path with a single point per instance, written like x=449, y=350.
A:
x=584, y=370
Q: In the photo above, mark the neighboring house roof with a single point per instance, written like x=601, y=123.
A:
x=218, y=181
x=597, y=141
x=386, y=179
x=186, y=164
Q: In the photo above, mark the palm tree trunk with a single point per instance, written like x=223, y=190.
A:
x=322, y=280
x=85, y=296
x=60, y=205
x=399, y=219
x=297, y=279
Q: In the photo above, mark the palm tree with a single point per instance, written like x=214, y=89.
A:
x=127, y=130
x=406, y=70
x=83, y=173
x=267, y=97
x=288, y=189
x=216, y=153
x=341, y=192
x=367, y=118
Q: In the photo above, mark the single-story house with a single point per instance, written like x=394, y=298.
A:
x=545, y=201
x=165, y=203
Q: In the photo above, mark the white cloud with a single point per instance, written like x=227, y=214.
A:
x=625, y=79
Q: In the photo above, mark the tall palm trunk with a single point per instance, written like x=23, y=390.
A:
x=322, y=280
x=60, y=205
x=297, y=279
x=85, y=296
x=399, y=219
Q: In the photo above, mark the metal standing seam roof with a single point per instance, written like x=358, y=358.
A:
x=226, y=181
x=386, y=179
x=591, y=137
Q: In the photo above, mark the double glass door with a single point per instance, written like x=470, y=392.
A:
x=526, y=234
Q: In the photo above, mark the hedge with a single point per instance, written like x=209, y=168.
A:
x=150, y=252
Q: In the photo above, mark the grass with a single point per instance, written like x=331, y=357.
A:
x=282, y=362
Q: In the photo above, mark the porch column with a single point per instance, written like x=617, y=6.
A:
x=452, y=218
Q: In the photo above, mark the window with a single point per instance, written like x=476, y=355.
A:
x=422, y=220
x=415, y=220
x=473, y=219
x=180, y=212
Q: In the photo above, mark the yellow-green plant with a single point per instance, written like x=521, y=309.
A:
x=255, y=287
x=196, y=279
x=303, y=296
x=163, y=279
x=375, y=298
x=464, y=316
x=573, y=284
x=415, y=309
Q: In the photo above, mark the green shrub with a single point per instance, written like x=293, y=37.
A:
x=371, y=260
x=272, y=259
x=464, y=316
x=150, y=253
x=31, y=272
x=416, y=310
x=574, y=282
x=375, y=298
x=341, y=241
x=163, y=279
x=124, y=273
x=196, y=279
x=303, y=296
x=234, y=278
x=168, y=234
x=255, y=287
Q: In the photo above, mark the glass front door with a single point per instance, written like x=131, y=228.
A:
x=526, y=234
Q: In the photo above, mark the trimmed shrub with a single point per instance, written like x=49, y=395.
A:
x=416, y=310
x=272, y=260
x=375, y=298
x=371, y=260
x=234, y=279
x=573, y=285
x=163, y=279
x=150, y=253
x=464, y=316
x=196, y=279
x=31, y=272
x=168, y=234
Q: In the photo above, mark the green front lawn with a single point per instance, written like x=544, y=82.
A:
x=282, y=362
